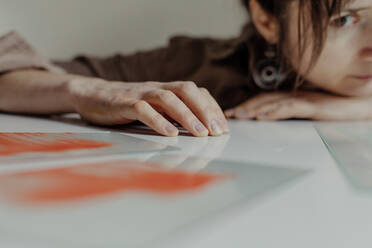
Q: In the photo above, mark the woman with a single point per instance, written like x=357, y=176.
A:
x=333, y=55
x=293, y=44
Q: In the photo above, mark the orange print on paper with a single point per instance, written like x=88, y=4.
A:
x=18, y=143
x=87, y=181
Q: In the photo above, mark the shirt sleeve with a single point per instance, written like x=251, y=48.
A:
x=176, y=61
x=17, y=54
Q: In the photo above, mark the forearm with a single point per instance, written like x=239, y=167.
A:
x=35, y=92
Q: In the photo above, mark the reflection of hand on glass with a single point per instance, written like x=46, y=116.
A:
x=196, y=156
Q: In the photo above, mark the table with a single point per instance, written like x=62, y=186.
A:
x=321, y=209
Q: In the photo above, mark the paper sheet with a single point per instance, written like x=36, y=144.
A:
x=128, y=203
x=34, y=147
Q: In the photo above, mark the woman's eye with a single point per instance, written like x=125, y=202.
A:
x=345, y=21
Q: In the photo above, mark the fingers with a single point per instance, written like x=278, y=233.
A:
x=200, y=103
x=275, y=106
x=284, y=109
x=118, y=103
x=178, y=111
x=213, y=102
x=142, y=111
x=245, y=111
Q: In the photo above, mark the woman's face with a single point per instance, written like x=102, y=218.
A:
x=345, y=64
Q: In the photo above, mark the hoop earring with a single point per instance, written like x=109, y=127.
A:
x=268, y=73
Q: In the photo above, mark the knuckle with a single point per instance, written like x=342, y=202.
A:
x=205, y=91
x=119, y=98
x=128, y=93
x=187, y=86
x=140, y=106
x=151, y=83
x=165, y=95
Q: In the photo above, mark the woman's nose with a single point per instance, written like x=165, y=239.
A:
x=366, y=54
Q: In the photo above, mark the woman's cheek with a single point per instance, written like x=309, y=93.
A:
x=333, y=68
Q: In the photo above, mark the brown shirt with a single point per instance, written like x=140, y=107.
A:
x=16, y=54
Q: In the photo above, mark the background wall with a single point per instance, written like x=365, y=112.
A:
x=62, y=28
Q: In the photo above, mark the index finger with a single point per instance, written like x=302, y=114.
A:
x=208, y=112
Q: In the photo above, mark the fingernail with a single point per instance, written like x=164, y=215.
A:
x=171, y=130
x=201, y=129
x=216, y=128
x=224, y=126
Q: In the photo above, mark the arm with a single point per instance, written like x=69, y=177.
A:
x=109, y=103
x=304, y=105
x=35, y=92
x=29, y=83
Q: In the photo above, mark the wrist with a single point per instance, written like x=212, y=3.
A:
x=76, y=87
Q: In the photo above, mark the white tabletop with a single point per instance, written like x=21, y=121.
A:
x=320, y=209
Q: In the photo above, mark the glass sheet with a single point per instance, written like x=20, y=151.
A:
x=351, y=146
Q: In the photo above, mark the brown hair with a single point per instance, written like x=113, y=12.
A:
x=313, y=16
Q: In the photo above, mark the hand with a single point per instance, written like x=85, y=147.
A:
x=113, y=103
x=303, y=105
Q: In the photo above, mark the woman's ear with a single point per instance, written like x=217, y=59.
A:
x=266, y=24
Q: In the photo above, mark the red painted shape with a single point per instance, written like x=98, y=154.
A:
x=63, y=185
x=18, y=143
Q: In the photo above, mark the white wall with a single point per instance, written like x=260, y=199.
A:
x=62, y=28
